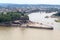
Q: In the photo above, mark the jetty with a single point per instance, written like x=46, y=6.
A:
x=37, y=26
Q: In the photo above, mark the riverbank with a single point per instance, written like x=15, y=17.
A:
x=29, y=24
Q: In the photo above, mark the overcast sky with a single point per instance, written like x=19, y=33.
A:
x=31, y=1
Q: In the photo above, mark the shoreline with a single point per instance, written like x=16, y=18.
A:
x=30, y=24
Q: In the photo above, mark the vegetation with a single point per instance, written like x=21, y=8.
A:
x=11, y=16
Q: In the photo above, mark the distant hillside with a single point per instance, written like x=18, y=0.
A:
x=28, y=5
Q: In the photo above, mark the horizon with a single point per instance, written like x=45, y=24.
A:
x=30, y=4
x=52, y=2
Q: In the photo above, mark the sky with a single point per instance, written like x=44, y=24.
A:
x=31, y=1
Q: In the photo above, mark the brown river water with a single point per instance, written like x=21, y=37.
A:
x=17, y=33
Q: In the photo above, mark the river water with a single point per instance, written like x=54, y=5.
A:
x=41, y=18
x=17, y=33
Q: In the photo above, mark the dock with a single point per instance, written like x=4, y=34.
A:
x=37, y=26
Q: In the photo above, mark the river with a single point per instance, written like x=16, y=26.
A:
x=17, y=33
x=41, y=18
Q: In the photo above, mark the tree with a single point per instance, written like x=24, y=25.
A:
x=12, y=16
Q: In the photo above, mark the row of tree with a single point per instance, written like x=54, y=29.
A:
x=11, y=16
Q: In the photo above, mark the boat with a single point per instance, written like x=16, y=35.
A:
x=48, y=28
x=37, y=26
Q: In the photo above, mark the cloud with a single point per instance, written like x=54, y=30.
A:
x=31, y=1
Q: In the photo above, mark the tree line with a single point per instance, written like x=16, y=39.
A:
x=11, y=16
